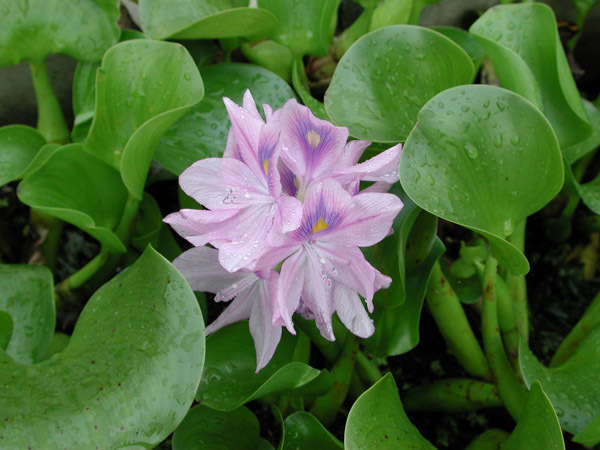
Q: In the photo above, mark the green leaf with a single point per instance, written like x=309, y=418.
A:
x=27, y=294
x=128, y=375
x=142, y=88
x=203, y=19
x=573, y=387
x=34, y=29
x=504, y=159
x=206, y=428
x=202, y=132
x=523, y=44
x=58, y=343
x=6, y=329
x=590, y=435
x=538, y=425
x=147, y=225
x=18, y=146
x=399, y=65
x=378, y=420
x=304, y=27
x=78, y=188
x=229, y=378
x=302, y=430
x=466, y=40
x=271, y=55
x=576, y=151
x=300, y=83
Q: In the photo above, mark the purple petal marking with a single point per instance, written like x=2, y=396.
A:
x=224, y=183
x=266, y=335
x=268, y=157
x=326, y=206
x=311, y=146
x=351, y=311
x=201, y=269
x=288, y=179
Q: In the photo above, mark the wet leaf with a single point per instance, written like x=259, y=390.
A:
x=466, y=40
x=302, y=430
x=128, y=375
x=18, y=146
x=384, y=79
x=500, y=163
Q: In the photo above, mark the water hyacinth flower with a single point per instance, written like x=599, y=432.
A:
x=286, y=216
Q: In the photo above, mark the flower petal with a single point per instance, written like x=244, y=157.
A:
x=317, y=294
x=289, y=213
x=383, y=167
x=289, y=288
x=311, y=146
x=266, y=335
x=223, y=183
x=239, y=309
x=369, y=221
x=200, y=226
x=201, y=269
x=351, y=311
x=352, y=152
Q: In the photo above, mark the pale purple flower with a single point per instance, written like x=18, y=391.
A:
x=252, y=295
x=314, y=149
x=246, y=211
x=325, y=266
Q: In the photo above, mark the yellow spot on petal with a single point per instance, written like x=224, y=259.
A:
x=319, y=226
x=313, y=138
x=266, y=166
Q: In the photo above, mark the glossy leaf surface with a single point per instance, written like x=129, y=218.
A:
x=27, y=295
x=573, y=387
x=18, y=146
x=384, y=79
x=303, y=430
x=499, y=163
x=142, y=88
x=538, y=425
x=303, y=26
x=466, y=40
x=523, y=44
x=203, y=19
x=590, y=435
x=126, y=378
x=202, y=132
x=206, y=428
x=34, y=29
x=76, y=187
x=229, y=378
x=377, y=420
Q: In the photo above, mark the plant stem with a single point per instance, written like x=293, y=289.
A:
x=82, y=275
x=51, y=122
x=452, y=322
x=511, y=391
x=517, y=286
x=589, y=320
x=53, y=229
x=326, y=407
x=452, y=395
x=367, y=370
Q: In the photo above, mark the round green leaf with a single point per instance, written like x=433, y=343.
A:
x=229, y=379
x=202, y=132
x=128, y=375
x=203, y=19
x=18, y=146
x=573, y=387
x=302, y=430
x=80, y=189
x=466, y=40
x=304, y=27
x=27, y=294
x=485, y=158
x=378, y=420
x=385, y=78
x=524, y=46
x=33, y=29
x=205, y=429
x=538, y=425
x=142, y=88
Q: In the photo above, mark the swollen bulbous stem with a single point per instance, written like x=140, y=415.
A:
x=51, y=122
x=449, y=315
